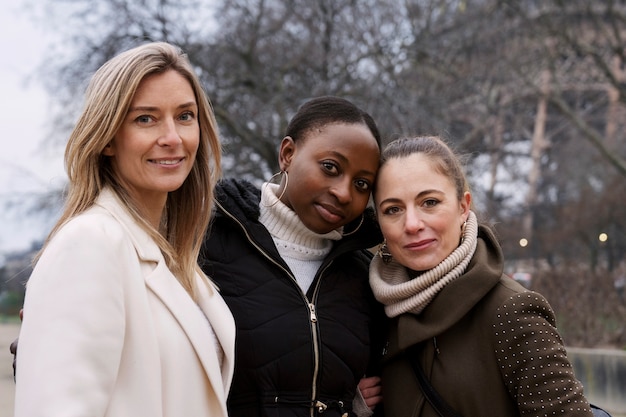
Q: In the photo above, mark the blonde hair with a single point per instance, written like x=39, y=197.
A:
x=108, y=97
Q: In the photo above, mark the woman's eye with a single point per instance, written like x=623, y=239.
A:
x=391, y=210
x=187, y=116
x=144, y=118
x=431, y=202
x=330, y=168
x=363, y=185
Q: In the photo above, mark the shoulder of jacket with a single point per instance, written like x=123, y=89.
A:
x=363, y=256
x=96, y=229
x=239, y=197
x=93, y=224
x=509, y=298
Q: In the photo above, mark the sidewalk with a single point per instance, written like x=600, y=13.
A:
x=8, y=333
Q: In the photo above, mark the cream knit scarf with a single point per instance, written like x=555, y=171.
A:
x=400, y=293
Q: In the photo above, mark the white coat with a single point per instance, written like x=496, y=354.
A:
x=109, y=331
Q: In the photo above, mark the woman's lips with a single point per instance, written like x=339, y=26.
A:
x=167, y=162
x=422, y=244
x=330, y=213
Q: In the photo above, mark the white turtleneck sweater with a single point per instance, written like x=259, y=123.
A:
x=302, y=249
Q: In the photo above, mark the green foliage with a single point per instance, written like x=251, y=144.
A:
x=10, y=303
x=10, y=318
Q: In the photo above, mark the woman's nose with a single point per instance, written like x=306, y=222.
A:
x=169, y=135
x=342, y=191
x=413, y=221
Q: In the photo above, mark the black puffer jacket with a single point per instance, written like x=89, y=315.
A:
x=292, y=349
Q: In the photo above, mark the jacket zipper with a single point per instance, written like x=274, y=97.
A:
x=316, y=352
x=310, y=304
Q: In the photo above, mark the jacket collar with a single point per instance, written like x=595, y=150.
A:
x=457, y=298
x=193, y=318
x=146, y=249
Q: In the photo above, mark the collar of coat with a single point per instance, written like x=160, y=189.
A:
x=145, y=246
x=457, y=298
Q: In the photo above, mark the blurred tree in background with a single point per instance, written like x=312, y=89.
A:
x=532, y=92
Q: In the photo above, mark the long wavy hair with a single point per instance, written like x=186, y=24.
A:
x=108, y=97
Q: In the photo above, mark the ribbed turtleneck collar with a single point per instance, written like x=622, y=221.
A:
x=284, y=224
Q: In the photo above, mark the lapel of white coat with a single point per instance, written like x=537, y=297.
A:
x=223, y=324
x=189, y=316
x=194, y=323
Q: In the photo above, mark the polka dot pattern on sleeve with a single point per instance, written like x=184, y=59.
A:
x=533, y=360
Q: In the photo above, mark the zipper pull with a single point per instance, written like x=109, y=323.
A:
x=321, y=407
x=340, y=404
x=313, y=315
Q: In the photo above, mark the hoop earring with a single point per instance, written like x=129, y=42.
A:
x=284, y=188
x=383, y=252
x=357, y=228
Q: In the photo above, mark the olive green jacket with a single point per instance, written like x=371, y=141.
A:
x=489, y=347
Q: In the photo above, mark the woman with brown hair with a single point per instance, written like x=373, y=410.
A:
x=484, y=343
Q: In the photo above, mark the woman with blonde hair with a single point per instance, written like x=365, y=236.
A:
x=118, y=317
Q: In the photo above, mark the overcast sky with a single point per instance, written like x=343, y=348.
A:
x=26, y=164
